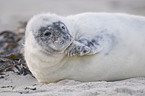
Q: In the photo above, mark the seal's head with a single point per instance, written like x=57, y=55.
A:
x=55, y=36
x=50, y=33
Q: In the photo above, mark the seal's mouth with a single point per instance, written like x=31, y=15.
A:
x=61, y=45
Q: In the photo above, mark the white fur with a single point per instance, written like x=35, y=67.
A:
x=122, y=56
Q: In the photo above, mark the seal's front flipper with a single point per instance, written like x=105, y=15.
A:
x=94, y=44
x=77, y=48
x=85, y=46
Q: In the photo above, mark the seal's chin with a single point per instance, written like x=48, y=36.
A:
x=59, y=45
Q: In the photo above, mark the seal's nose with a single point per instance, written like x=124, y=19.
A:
x=56, y=35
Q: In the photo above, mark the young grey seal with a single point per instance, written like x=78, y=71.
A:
x=85, y=47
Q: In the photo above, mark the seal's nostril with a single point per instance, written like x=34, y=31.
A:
x=65, y=38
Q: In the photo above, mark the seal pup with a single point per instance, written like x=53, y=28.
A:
x=85, y=47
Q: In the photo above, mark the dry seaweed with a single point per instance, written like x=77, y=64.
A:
x=28, y=88
x=11, y=57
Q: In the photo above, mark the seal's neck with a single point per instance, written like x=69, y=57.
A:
x=46, y=56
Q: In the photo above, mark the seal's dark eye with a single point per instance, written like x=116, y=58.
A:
x=62, y=27
x=47, y=33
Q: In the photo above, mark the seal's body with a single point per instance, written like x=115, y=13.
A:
x=85, y=47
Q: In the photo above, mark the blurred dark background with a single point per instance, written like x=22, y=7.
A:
x=14, y=11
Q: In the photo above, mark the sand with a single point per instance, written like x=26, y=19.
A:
x=21, y=10
x=16, y=85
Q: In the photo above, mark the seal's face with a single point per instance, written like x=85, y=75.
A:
x=54, y=36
